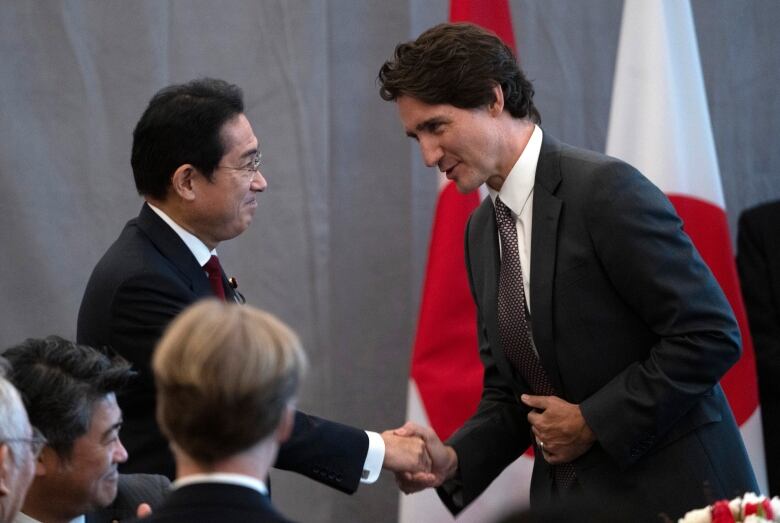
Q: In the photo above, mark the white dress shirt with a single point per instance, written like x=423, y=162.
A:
x=517, y=193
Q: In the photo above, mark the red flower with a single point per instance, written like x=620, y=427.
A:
x=721, y=513
x=768, y=512
x=762, y=508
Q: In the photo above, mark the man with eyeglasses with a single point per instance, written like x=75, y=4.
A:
x=70, y=391
x=195, y=161
x=19, y=446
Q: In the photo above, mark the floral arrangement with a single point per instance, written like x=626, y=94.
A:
x=748, y=508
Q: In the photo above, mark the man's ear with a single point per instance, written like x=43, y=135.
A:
x=285, y=428
x=497, y=105
x=182, y=181
x=48, y=461
x=4, y=464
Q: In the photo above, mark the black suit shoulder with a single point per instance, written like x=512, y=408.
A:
x=132, y=490
x=211, y=502
x=763, y=213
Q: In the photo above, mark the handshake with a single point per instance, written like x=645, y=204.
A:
x=418, y=457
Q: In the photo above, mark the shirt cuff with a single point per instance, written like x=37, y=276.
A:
x=374, y=458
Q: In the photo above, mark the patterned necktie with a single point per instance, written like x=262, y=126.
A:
x=514, y=328
x=214, y=270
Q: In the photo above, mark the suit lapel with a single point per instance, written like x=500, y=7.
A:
x=175, y=251
x=544, y=242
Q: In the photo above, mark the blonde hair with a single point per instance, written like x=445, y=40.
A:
x=224, y=375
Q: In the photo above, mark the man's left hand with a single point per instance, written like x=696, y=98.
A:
x=559, y=428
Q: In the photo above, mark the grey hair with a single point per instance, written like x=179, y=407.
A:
x=15, y=423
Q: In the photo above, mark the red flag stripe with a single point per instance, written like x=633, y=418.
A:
x=493, y=15
x=707, y=226
x=446, y=364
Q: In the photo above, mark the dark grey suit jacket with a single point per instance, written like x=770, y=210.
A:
x=146, y=278
x=132, y=490
x=629, y=323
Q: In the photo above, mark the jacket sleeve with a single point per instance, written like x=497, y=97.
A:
x=497, y=433
x=326, y=451
x=656, y=271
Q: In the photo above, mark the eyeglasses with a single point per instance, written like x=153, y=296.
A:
x=36, y=442
x=252, y=167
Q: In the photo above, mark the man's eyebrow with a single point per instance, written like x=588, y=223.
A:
x=430, y=122
x=249, y=153
x=426, y=125
x=112, y=428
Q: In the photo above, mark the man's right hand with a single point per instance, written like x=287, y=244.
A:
x=444, y=460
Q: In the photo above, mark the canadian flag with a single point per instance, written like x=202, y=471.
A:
x=660, y=124
x=446, y=375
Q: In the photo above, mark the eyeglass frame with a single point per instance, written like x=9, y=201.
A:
x=36, y=442
x=253, y=168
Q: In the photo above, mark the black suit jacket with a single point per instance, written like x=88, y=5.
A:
x=140, y=284
x=629, y=323
x=215, y=502
x=758, y=261
x=132, y=490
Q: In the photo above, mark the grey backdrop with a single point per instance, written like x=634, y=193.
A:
x=339, y=241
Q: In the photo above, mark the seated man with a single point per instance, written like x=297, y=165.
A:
x=19, y=447
x=226, y=380
x=69, y=391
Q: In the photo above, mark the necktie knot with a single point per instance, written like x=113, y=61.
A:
x=214, y=271
x=503, y=213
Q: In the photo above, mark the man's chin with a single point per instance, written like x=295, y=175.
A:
x=465, y=188
x=108, y=493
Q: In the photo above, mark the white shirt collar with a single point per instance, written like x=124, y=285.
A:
x=193, y=243
x=519, y=183
x=24, y=518
x=222, y=477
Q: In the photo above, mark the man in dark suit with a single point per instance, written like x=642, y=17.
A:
x=70, y=391
x=758, y=262
x=602, y=333
x=227, y=378
x=196, y=162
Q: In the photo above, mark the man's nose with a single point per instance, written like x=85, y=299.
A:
x=431, y=152
x=258, y=183
x=120, y=453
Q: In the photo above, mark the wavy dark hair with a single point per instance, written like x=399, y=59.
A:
x=458, y=64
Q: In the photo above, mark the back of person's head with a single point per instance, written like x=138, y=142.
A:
x=182, y=125
x=61, y=382
x=17, y=461
x=225, y=375
x=458, y=64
